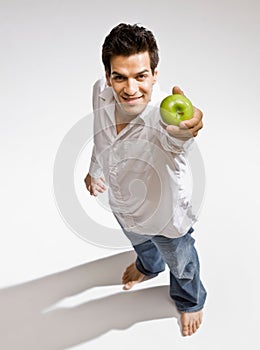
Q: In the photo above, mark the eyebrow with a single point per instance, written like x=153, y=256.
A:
x=122, y=75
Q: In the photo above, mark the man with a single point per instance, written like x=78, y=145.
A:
x=143, y=162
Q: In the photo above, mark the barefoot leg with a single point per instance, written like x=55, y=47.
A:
x=190, y=322
x=132, y=276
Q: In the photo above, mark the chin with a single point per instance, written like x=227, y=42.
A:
x=133, y=110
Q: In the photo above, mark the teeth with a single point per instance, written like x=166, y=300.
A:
x=131, y=99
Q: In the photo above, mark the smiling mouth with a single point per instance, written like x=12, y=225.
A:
x=132, y=99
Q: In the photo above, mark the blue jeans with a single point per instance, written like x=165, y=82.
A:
x=153, y=252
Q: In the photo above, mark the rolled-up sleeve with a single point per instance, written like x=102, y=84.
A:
x=95, y=170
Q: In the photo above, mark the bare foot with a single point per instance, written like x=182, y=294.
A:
x=190, y=322
x=132, y=276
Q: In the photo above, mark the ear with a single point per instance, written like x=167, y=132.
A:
x=108, y=79
x=155, y=75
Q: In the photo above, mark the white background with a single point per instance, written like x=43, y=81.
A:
x=50, y=58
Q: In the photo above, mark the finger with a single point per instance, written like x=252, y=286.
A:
x=197, y=127
x=91, y=191
x=175, y=131
x=184, y=131
x=100, y=184
x=195, y=120
x=177, y=90
x=194, y=131
x=100, y=189
x=99, y=180
x=94, y=193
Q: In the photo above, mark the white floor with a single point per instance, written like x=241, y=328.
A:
x=58, y=291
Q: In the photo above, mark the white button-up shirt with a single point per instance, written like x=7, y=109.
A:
x=144, y=167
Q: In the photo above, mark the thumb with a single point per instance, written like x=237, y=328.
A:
x=177, y=90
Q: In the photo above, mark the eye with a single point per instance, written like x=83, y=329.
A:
x=118, y=78
x=142, y=77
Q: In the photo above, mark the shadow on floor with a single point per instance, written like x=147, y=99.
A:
x=24, y=324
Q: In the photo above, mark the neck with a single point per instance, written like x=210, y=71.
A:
x=122, y=116
x=122, y=119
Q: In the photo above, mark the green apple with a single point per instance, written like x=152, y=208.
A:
x=176, y=108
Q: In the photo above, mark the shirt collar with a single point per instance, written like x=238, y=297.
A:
x=107, y=94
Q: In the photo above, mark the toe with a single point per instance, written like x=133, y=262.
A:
x=185, y=330
x=198, y=324
x=128, y=285
x=194, y=327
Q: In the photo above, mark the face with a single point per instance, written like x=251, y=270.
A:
x=132, y=81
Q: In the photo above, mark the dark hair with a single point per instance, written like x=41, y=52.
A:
x=126, y=40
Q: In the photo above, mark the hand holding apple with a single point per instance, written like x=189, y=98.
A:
x=176, y=108
x=187, y=128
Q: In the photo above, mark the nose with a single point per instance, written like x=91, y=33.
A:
x=131, y=87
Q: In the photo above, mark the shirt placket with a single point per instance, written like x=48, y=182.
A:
x=120, y=154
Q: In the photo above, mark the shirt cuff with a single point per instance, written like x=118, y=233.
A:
x=95, y=170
